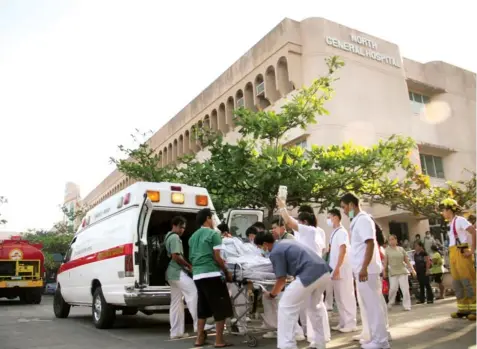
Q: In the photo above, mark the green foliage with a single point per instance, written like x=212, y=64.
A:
x=3, y=200
x=52, y=241
x=142, y=163
x=248, y=173
x=58, y=239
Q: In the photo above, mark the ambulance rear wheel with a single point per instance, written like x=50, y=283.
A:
x=104, y=314
x=60, y=307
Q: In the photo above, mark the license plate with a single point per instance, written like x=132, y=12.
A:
x=16, y=277
x=14, y=284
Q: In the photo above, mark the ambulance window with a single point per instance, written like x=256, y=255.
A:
x=70, y=250
x=241, y=222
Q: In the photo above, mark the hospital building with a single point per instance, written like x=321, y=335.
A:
x=379, y=93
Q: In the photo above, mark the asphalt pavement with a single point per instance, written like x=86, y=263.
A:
x=35, y=327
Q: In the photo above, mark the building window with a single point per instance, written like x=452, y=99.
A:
x=432, y=166
x=418, y=102
x=302, y=144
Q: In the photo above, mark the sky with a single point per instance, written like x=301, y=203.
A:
x=77, y=77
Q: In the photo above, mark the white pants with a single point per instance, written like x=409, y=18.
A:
x=329, y=296
x=239, y=301
x=182, y=288
x=295, y=298
x=395, y=282
x=374, y=316
x=270, y=315
x=345, y=300
x=323, y=319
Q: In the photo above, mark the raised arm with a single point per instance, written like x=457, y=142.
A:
x=290, y=222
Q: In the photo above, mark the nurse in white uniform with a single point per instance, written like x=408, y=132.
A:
x=366, y=264
x=342, y=274
x=307, y=233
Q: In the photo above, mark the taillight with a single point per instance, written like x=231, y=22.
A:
x=128, y=266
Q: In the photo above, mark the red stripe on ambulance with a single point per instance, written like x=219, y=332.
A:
x=117, y=251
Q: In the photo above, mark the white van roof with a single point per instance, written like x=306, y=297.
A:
x=134, y=196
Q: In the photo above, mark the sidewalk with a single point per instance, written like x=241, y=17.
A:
x=424, y=327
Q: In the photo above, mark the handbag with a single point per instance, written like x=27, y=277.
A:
x=385, y=286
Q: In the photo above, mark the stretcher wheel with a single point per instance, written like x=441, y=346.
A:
x=252, y=342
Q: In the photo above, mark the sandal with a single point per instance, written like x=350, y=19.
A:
x=203, y=343
x=224, y=346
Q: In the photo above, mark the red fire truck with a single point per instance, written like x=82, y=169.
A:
x=22, y=267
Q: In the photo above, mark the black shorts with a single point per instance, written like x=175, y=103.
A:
x=213, y=299
x=437, y=278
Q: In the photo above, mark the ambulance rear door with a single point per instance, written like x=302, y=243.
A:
x=239, y=220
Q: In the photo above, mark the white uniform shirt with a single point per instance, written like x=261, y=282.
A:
x=312, y=237
x=362, y=229
x=461, y=225
x=339, y=237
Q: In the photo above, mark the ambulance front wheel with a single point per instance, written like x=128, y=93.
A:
x=104, y=314
x=60, y=307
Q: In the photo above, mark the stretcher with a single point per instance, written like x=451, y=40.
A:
x=245, y=281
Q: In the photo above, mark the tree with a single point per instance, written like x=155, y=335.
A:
x=423, y=199
x=248, y=173
x=58, y=239
x=3, y=200
x=53, y=243
x=142, y=163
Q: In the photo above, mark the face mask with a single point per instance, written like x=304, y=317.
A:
x=329, y=222
x=351, y=214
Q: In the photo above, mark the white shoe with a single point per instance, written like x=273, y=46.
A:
x=208, y=327
x=181, y=336
x=336, y=328
x=300, y=337
x=357, y=337
x=248, y=319
x=348, y=330
x=270, y=335
x=372, y=345
x=407, y=309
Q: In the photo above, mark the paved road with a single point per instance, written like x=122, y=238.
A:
x=35, y=327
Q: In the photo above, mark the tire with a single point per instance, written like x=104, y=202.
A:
x=130, y=311
x=36, y=296
x=60, y=307
x=104, y=314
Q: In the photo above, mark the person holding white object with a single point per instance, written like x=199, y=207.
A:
x=307, y=233
x=342, y=274
x=396, y=260
x=182, y=285
x=367, y=268
x=311, y=273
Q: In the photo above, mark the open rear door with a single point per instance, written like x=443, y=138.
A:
x=239, y=220
x=140, y=250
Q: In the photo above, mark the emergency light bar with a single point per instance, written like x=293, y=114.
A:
x=154, y=196
x=177, y=198
x=201, y=200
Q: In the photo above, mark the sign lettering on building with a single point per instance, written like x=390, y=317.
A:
x=364, y=47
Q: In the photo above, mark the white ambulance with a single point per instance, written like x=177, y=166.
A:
x=111, y=262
